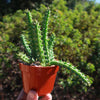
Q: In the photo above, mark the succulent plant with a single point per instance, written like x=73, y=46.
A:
x=39, y=47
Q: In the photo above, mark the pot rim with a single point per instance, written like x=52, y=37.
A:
x=38, y=66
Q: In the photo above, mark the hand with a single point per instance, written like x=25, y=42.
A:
x=32, y=95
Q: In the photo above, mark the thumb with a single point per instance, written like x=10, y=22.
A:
x=47, y=97
x=32, y=95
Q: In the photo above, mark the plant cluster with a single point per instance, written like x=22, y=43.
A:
x=39, y=48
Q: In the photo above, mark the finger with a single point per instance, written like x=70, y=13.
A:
x=47, y=97
x=32, y=95
x=22, y=95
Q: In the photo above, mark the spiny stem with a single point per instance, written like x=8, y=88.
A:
x=29, y=17
x=23, y=57
x=50, y=46
x=72, y=68
x=31, y=33
x=39, y=51
x=45, y=33
x=25, y=44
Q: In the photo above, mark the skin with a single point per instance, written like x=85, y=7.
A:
x=32, y=95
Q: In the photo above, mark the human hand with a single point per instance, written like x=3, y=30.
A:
x=32, y=95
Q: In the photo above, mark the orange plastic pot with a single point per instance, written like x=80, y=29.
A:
x=40, y=79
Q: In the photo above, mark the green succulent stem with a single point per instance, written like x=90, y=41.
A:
x=26, y=46
x=23, y=57
x=39, y=51
x=31, y=34
x=45, y=34
x=29, y=17
x=50, y=46
x=72, y=68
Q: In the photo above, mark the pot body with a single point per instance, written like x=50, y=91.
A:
x=40, y=79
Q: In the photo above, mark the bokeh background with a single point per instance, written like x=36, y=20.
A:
x=76, y=24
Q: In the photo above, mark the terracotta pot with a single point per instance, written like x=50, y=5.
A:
x=40, y=79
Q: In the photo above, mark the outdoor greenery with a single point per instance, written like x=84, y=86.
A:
x=77, y=42
x=39, y=47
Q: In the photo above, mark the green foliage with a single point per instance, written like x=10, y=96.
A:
x=7, y=51
x=42, y=48
x=90, y=67
x=38, y=46
x=45, y=35
x=77, y=42
x=72, y=68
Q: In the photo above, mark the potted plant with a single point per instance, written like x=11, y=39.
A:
x=39, y=68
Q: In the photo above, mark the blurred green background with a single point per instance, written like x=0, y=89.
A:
x=76, y=24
